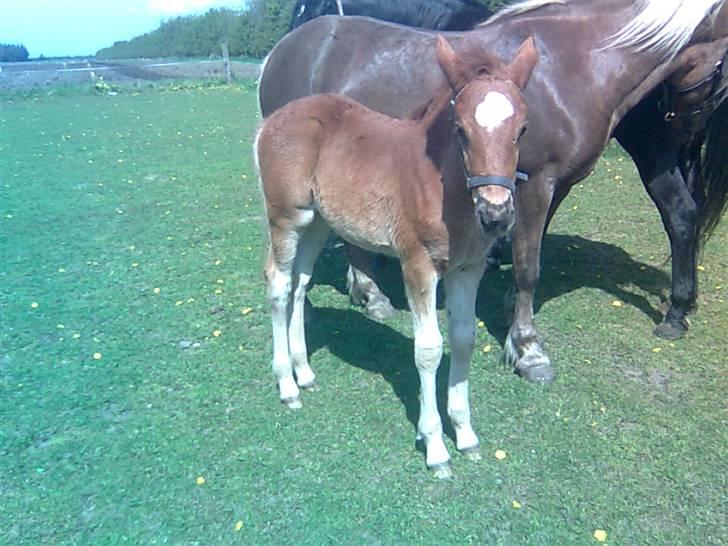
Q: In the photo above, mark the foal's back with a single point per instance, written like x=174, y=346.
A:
x=361, y=170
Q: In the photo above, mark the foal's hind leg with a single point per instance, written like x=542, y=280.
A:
x=461, y=289
x=309, y=248
x=421, y=283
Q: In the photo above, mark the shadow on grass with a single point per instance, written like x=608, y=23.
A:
x=568, y=263
x=379, y=349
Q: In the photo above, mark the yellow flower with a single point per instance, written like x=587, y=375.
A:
x=60, y=326
x=500, y=454
x=481, y=324
x=247, y=310
x=239, y=525
x=701, y=268
x=487, y=349
x=657, y=349
x=97, y=356
x=34, y=305
x=76, y=335
x=220, y=281
x=61, y=269
x=600, y=535
x=218, y=291
x=200, y=480
x=616, y=303
x=157, y=290
x=217, y=333
x=516, y=504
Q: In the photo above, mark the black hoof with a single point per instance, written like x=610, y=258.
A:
x=541, y=374
x=668, y=330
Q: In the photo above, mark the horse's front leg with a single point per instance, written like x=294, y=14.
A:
x=363, y=290
x=420, y=280
x=523, y=349
x=461, y=289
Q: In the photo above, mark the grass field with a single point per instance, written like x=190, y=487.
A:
x=138, y=406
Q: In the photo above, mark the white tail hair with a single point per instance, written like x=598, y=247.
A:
x=664, y=26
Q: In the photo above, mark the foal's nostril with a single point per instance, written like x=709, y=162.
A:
x=497, y=217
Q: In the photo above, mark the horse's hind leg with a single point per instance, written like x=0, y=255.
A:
x=461, y=289
x=309, y=248
x=279, y=275
x=363, y=290
x=421, y=284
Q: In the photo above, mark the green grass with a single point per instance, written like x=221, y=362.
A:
x=106, y=199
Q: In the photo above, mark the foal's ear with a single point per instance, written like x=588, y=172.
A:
x=455, y=70
x=522, y=65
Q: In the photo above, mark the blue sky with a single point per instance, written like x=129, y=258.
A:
x=82, y=27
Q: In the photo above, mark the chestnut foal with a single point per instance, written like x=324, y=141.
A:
x=409, y=189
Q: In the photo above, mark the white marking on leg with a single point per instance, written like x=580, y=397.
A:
x=428, y=353
x=493, y=110
x=279, y=292
x=309, y=247
x=461, y=289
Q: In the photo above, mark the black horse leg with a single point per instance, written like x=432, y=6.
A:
x=363, y=290
x=656, y=156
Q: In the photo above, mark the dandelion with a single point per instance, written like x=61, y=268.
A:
x=217, y=333
x=516, y=504
x=481, y=324
x=97, y=356
x=218, y=291
x=600, y=535
x=157, y=290
x=61, y=269
x=617, y=303
x=239, y=525
x=657, y=349
x=76, y=335
x=500, y=454
x=34, y=305
x=200, y=480
x=220, y=281
x=487, y=349
x=135, y=264
x=701, y=268
x=247, y=310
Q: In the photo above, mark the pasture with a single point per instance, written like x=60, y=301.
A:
x=138, y=405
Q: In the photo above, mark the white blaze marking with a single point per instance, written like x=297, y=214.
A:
x=493, y=111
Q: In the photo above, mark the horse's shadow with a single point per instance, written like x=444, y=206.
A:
x=569, y=263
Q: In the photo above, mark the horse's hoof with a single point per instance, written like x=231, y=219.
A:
x=294, y=402
x=667, y=330
x=472, y=453
x=441, y=471
x=541, y=374
x=309, y=387
x=380, y=309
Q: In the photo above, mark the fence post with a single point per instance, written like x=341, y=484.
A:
x=226, y=62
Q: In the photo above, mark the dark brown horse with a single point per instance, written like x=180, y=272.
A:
x=600, y=60
x=435, y=193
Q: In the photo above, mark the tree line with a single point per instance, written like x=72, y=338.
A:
x=249, y=32
x=13, y=53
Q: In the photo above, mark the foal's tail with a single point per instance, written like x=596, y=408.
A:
x=714, y=172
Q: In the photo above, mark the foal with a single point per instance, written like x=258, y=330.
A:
x=408, y=189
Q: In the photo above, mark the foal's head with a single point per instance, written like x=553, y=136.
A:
x=489, y=114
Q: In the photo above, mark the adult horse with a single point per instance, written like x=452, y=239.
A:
x=614, y=53
x=434, y=14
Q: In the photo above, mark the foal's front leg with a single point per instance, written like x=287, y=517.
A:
x=421, y=284
x=461, y=290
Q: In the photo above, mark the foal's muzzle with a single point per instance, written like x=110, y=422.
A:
x=495, y=217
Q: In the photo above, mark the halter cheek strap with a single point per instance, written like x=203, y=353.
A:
x=493, y=180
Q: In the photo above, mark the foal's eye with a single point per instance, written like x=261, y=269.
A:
x=523, y=131
x=461, y=135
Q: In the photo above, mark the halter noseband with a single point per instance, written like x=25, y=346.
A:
x=494, y=180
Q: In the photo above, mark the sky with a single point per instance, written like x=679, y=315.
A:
x=81, y=27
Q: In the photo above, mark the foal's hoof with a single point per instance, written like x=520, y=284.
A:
x=309, y=387
x=442, y=471
x=472, y=453
x=380, y=309
x=540, y=373
x=294, y=402
x=668, y=330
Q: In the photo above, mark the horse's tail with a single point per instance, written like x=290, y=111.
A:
x=714, y=172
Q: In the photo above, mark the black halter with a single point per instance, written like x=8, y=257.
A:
x=715, y=97
x=495, y=180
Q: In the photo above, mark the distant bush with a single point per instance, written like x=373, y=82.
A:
x=13, y=53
